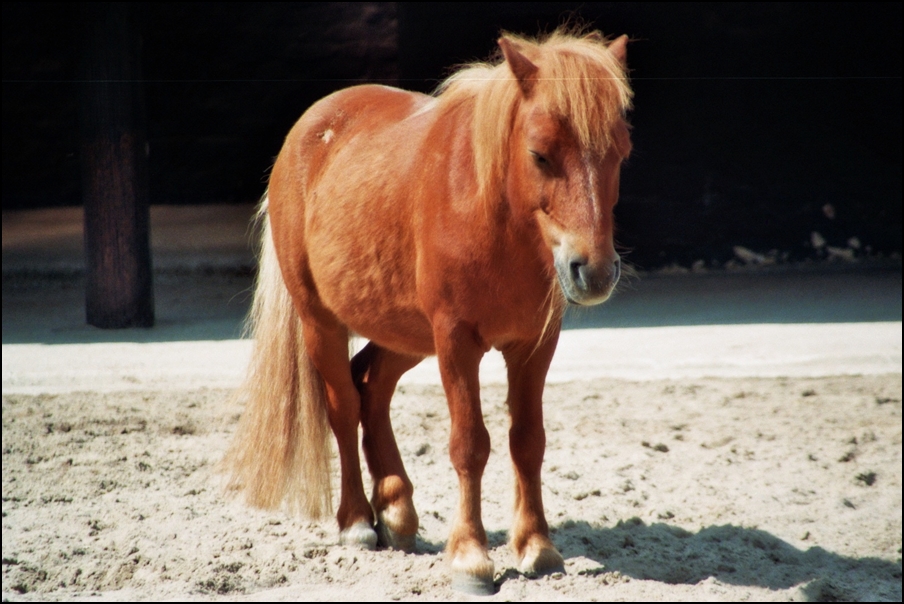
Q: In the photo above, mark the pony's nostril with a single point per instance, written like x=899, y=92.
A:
x=575, y=267
x=616, y=270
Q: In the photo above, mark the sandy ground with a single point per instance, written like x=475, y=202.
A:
x=721, y=437
x=692, y=489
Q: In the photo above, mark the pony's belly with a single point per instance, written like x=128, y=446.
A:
x=404, y=332
x=396, y=328
x=377, y=305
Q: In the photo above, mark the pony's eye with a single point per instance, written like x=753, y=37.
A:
x=539, y=159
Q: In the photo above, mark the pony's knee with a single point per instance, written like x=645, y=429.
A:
x=527, y=446
x=469, y=450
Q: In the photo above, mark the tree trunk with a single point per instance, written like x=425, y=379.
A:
x=114, y=171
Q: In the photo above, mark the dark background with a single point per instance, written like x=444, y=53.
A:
x=755, y=125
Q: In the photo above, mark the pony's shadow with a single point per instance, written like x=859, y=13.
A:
x=730, y=554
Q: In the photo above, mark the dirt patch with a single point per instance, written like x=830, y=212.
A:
x=718, y=489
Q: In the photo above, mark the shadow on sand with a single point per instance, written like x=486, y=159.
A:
x=730, y=554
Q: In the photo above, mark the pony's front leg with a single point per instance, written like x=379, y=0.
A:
x=527, y=365
x=469, y=448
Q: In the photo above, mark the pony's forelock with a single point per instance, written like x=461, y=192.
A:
x=578, y=77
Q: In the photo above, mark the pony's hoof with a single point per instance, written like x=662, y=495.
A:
x=390, y=539
x=397, y=527
x=360, y=534
x=471, y=585
x=472, y=573
x=541, y=559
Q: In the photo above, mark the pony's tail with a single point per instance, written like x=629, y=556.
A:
x=281, y=451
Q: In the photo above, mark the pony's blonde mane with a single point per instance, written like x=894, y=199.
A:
x=579, y=78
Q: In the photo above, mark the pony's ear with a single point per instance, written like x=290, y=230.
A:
x=524, y=70
x=619, y=48
x=594, y=36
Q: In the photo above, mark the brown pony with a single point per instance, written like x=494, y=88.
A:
x=446, y=225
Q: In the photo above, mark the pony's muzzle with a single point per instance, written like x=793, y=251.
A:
x=584, y=281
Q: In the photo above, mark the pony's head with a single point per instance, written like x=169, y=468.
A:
x=549, y=138
x=569, y=138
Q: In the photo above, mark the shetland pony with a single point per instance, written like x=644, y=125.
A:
x=430, y=225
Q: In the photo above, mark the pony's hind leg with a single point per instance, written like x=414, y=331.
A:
x=376, y=371
x=527, y=366
x=327, y=345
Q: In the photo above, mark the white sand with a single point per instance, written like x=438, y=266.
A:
x=668, y=486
